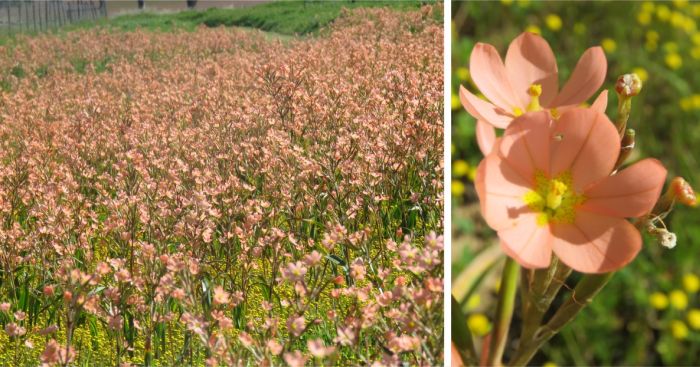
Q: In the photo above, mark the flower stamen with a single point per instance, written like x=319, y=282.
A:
x=535, y=91
x=553, y=199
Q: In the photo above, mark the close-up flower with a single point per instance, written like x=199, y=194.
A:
x=527, y=81
x=547, y=188
x=578, y=229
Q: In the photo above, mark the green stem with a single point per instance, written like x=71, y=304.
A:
x=624, y=107
x=504, y=312
x=462, y=336
x=582, y=295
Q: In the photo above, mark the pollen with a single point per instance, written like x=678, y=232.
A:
x=517, y=111
x=553, y=199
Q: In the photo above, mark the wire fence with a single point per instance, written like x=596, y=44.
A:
x=38, y=15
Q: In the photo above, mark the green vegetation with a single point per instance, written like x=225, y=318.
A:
x=281, y=17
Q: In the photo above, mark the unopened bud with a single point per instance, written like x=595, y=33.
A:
x=682, y=192
x=48, y=290
x=628, y=85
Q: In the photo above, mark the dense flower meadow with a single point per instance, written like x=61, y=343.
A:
x=223, y=196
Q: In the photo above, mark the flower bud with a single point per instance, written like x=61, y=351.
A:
x=48, y=290
x=628, y=85
x=682, y=192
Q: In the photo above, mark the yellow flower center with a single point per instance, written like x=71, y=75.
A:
x=535, y=91
x=553, y=199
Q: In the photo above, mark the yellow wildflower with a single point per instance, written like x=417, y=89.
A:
x=462, y=73
x=689, y=25
x=553, y=22
x=644, y=18
x=457, y=188
x=652, y=36
x=609, y=45
x=506, y=2
x=696, y=38
x=663, y=12
x=694, y=319
x=642, y=73
x=549, y=364
x=695, y=53
x=460, y=168
x=648, y=6
x=679, y=330
x=686, y=104
x=691, y=283
x=456, y=104
x=472, y=173
x=678, y=299
x=479, y=324
x=674, y=61
x=658, y=300
x=680, y=3
x=533, y=29
x=677, y=19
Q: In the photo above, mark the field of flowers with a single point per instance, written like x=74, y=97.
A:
x=222, y=196
x=649, y=313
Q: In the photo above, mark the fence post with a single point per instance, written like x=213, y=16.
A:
x=33, y=14
x=9, y=23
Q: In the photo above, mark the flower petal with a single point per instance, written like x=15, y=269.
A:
x=483, y=110
x=485, y=136
x=595, y=243
x=501, y=190
x=601, y=102
x=490, y=76
x=525, y=144
x=527, y=242
x=587, y=77
x=585, y=142
x=630, y=193
x=530, y=61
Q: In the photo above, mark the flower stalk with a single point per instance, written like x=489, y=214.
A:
x=504, y=312
x=581, y=296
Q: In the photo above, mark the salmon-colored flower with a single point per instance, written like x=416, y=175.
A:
x=547, y=187
x=527, y=82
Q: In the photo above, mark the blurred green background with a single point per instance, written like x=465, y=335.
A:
x=649, y=314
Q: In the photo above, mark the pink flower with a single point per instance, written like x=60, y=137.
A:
x=296, y=325
x=221, y=297
x=295, y=359
x=274, y=347
x=318, y=349
x=529, y=81
x=546, y=187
